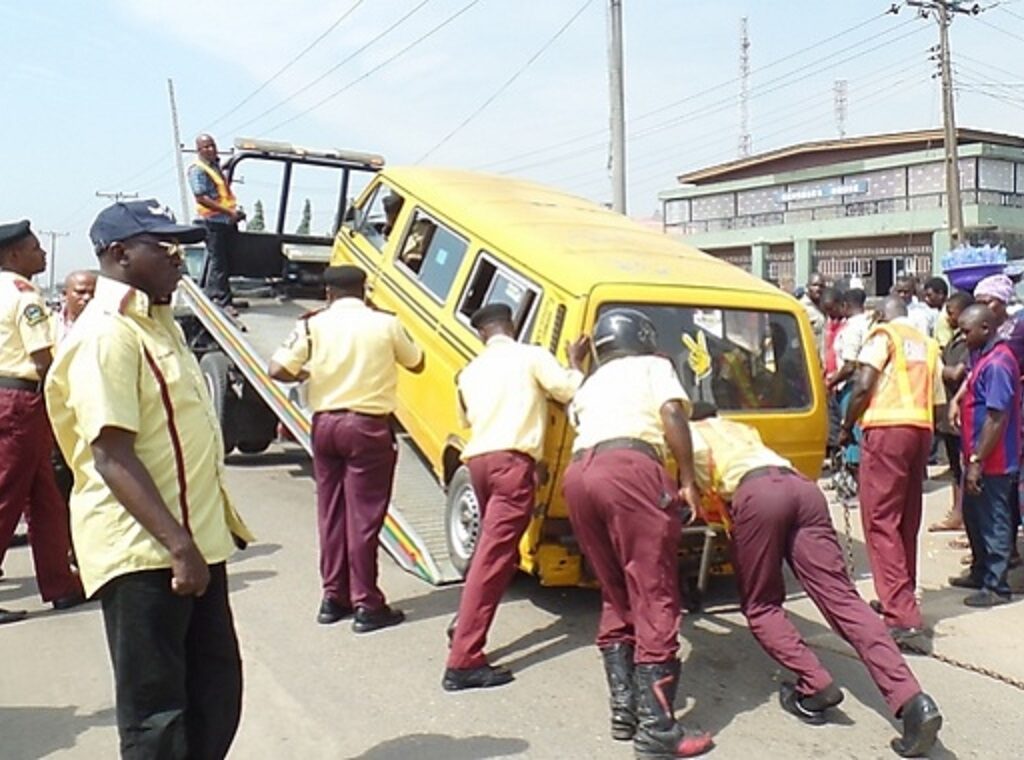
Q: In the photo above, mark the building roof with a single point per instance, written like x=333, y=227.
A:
x=823, y=152
x=568, y=240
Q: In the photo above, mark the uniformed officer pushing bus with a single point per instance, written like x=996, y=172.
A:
x=27, y=484
x=627, y=513
x=779, y=515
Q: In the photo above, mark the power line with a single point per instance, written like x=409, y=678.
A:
x=713, y=107
x=716, y=88
x=378, y=67
x=1000, y=29
x=372, y=41
x=494, y=96
x=267, y=82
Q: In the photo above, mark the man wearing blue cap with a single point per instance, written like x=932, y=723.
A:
x=150, y=514
x=27, y=484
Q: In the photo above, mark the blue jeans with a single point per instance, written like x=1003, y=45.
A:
x=988, y=519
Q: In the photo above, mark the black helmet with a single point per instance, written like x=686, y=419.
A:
x=623, y=332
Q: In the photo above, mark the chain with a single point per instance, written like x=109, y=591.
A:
x=848, y=528
x=969, y=667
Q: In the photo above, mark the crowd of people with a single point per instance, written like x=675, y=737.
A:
x=922, y=348
x=153, y=525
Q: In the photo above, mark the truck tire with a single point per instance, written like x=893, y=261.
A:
x=215, y=367
x=462, y=520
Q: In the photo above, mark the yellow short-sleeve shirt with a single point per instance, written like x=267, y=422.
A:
x=26, y=326
x=126, y=365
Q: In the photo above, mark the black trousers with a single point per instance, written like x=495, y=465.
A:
x=177, y=670
x=215, y=272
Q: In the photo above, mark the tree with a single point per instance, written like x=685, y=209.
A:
x=307, y=219
x=257, y=223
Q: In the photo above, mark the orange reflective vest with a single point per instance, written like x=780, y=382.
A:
x=224, y=197
x=903, y=396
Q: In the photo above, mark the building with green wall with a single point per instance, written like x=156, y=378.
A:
x=874, y=206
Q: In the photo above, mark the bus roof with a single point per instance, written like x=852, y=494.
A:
x=583, y=244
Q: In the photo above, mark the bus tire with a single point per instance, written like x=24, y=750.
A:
x=462, y=519
x=253, y=447
x=215, y=367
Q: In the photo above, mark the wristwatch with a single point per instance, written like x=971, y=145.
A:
x=973, y=459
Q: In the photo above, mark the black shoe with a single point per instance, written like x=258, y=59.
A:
x=19, y=539
x=876, y=607
x=809, y=708
x=67, y=602
x=484, y=677
x=964, y=581
x=12, y=616
x=986, y=598
x=921, y=723
x=332, y=612
x=658, y=735
x=372, y=620
x=908, y=639
x=618, y=669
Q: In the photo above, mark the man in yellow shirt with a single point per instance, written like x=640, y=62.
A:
x=777, y=515
x=627, y=513
x=150, y=516
x=27, y=485
x=503, y=396
x=349, y=353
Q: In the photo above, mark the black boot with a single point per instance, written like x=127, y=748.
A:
x=658, y=736
x=618, y=668
x=921, y=723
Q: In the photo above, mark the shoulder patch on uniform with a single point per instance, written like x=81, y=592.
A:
x=34, y=314
x=24, y=287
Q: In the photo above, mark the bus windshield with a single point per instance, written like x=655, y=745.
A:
x=736, y=359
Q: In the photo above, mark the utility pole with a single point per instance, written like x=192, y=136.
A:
x=841, y=100
x=617, y=106
x=745, y=141
x=52, y=266
x=176, y=133
x=944, y=11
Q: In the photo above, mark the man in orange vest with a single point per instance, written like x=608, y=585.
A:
x=898, y=381
x=217, y=209
x=776, y=515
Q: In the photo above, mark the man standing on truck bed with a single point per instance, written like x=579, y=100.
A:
x=218, y=210
x=628, y=513
x=348, y=351
x=502, y=399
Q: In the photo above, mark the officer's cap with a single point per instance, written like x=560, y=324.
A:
x=12, y=232
x=126, y=219
x=344, y=277
x=495, y=312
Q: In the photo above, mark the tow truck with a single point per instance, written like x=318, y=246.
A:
x=282, y=271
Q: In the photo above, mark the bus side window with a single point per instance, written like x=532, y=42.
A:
x=489, y=283
x=431, y=254
x=376, y=218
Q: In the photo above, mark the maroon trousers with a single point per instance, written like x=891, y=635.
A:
x=354, y=459
x=27, y=486
x=505, y=488
x=631, y=542
x=783, y=516
x=893, y=461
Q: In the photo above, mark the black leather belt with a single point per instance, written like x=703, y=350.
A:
x=760, y=472
x=20, y=384
x=357, y=414
x=628, y=444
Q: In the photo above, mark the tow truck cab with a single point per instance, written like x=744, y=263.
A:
x=295, y=199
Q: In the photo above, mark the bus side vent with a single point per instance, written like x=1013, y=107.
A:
x=556, y=328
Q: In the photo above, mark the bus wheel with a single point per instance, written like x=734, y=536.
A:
x=462, y=519
x=215, y=366
x=253, y=447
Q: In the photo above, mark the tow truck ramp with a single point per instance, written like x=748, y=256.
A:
x=414, y=483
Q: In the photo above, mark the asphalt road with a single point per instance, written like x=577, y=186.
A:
x=322, y=692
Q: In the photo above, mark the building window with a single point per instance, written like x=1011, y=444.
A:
x=995, y=175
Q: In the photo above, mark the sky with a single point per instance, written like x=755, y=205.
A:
x=516, y=87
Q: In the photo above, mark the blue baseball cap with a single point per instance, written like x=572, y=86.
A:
x=126, y=219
